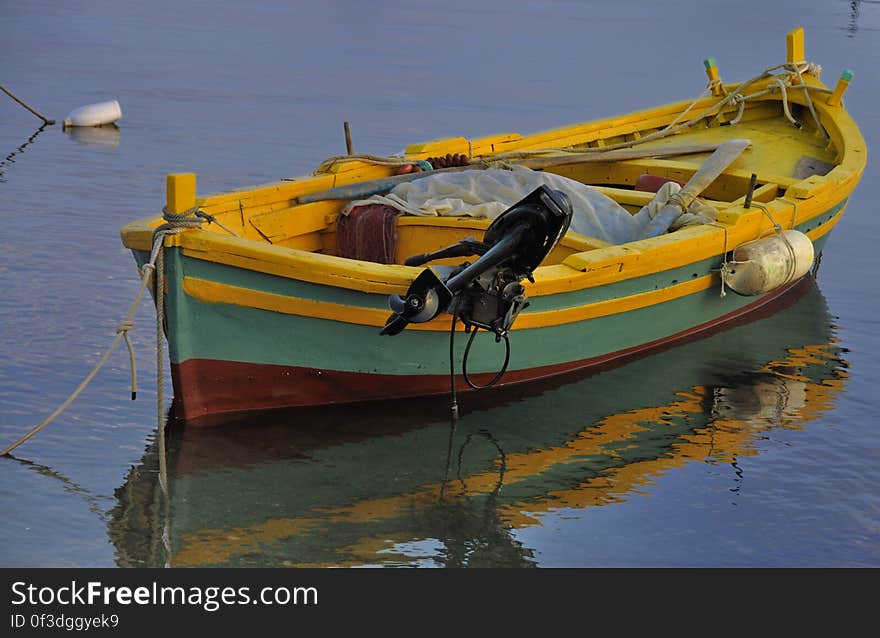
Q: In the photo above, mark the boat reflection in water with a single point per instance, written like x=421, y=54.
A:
x=107, y=135
x=396, y=484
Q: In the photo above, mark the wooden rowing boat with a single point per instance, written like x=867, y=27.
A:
x=262, y=311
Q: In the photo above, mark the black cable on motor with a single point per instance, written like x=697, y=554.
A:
x=454, y=405
x=498, y=376
x=467, y=350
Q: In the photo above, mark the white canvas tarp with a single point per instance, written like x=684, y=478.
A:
x=488, y=193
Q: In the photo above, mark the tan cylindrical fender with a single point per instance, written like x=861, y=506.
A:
x=765, y=264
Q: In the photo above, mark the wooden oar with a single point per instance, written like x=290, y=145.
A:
x=610, y=156
x=366, y=188
x=717, y=163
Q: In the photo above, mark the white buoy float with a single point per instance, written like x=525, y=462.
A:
x=98, y=114
x=766, y=264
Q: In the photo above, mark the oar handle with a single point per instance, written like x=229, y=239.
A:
x=716, y=164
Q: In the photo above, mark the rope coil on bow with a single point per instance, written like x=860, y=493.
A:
x=740, y=99
x=191, y=218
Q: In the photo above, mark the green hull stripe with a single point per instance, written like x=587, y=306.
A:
x=235, y=333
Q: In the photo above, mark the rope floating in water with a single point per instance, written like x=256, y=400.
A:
x=153, y=270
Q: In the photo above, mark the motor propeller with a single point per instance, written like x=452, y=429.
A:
x=427, y=297
x=487, y=293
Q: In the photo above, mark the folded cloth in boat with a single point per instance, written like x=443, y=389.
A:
x=488, y=193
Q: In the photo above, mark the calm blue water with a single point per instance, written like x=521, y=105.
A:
x=757, y=446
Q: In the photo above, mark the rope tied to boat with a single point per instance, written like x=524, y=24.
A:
x=191, y=218
x=785, y=108
x=724, y=261
x=798, y=71
x=740, y=99
x=715, y=86
x=122, y=330
x=152, y=271
x=155, y=269
x=183, y=219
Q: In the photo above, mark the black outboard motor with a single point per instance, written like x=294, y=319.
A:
x=486, y=294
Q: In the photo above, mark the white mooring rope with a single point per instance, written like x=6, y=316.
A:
x=150, y=271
